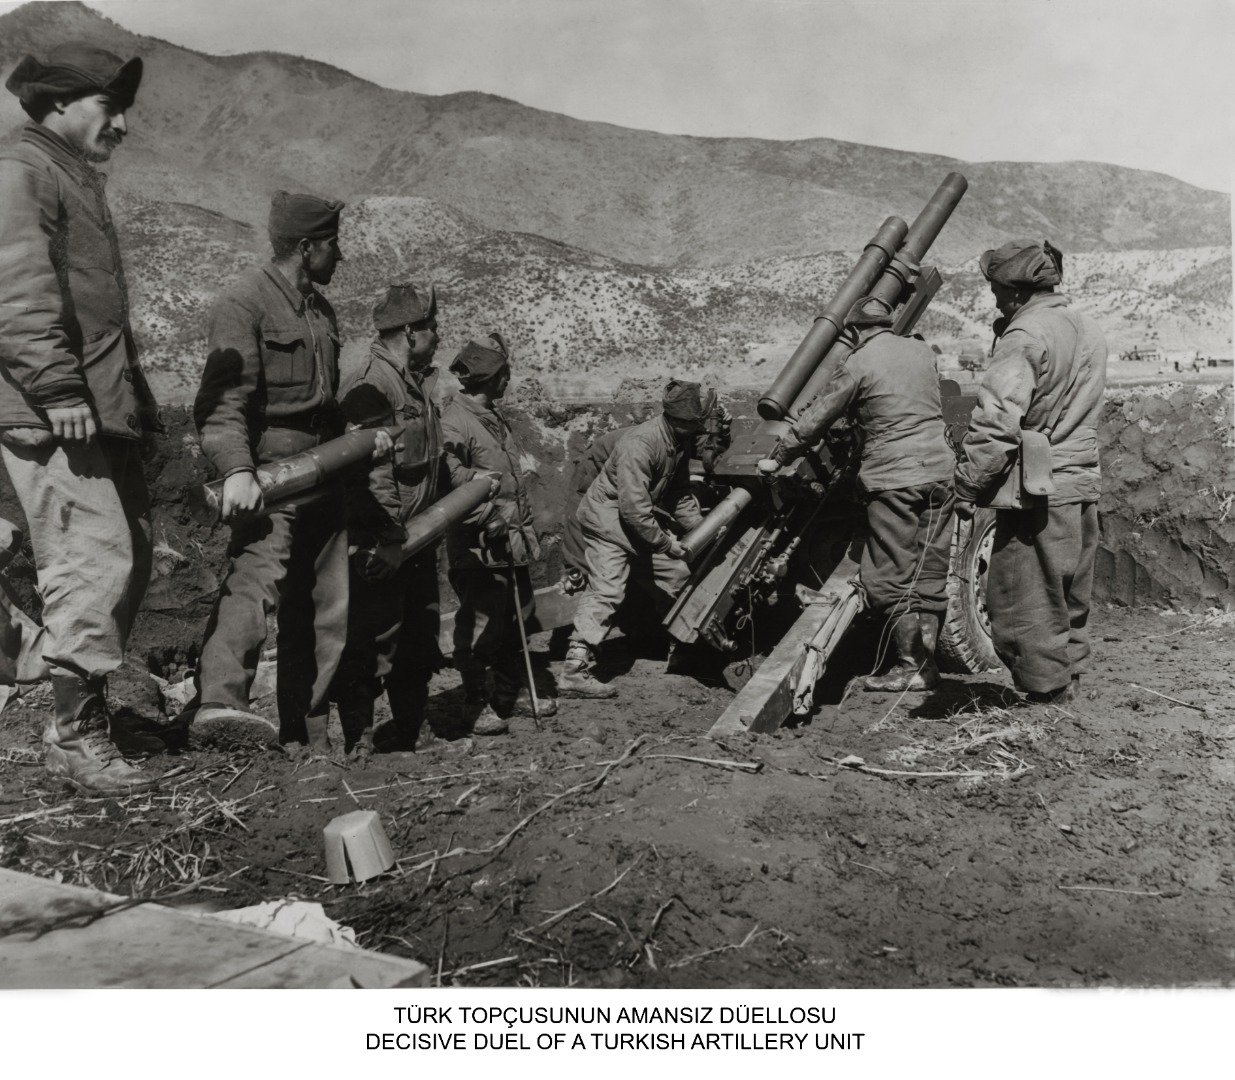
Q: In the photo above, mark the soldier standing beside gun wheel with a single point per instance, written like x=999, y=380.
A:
x=647, y=472
x=394, y=607
x=890, y=384
x=75, y=409
x=491, y=549
x=267, y=392
x=1031, y=452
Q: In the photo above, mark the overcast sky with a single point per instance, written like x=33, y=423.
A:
x=1143, y=84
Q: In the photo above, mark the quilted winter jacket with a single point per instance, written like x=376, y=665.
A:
x=65, y=338
x=1047, y=374
x=645, y=481
x=479, y=439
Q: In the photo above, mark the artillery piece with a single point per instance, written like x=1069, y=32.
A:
x=768, y=536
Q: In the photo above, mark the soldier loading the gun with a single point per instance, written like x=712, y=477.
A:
x=267, y=392
x=646, y=474
x=74, y=404
x=489, y=550
x=1031, y=452
x=890, y=385
x=394, y=606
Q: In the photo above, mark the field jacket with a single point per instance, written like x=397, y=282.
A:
x=479, y=439
x=1047, y=374
x=644, y=483
x=890, y=385
x=65, y=338
x=402, y=484
x=271, y=376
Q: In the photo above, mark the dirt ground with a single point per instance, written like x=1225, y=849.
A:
x=949, y=839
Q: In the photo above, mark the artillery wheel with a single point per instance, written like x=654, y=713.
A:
x=965, y=645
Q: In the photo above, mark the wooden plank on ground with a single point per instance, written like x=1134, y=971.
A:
x=160, y=948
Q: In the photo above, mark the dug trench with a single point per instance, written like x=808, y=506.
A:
x=950, y=839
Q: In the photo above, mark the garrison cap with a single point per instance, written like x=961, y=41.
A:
x=474, y=363
x=1023, y=264
x=303, y=217
x=685, y=401
x=72, y=70
x=870, y=311
x=403, y=305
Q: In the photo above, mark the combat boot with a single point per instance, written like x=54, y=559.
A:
x=511, y=698
x=78, y=747
x=577, y=680
x=407, y=716
x=478, y=716
x=928, y=623
x=910, y=672
x=356, y=720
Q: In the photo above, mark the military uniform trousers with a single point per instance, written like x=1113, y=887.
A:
x=904, y=564
x=486, y=632
x=392, y=636
x=609, y=568
x=1038, y=591
x=88, y=511
x=292, y=560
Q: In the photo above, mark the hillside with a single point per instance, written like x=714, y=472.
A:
x=222, y=132
x=582, y=323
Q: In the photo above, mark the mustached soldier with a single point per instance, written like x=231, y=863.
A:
x=491, y=549
x=394, y=609
x=890, y=386
x=268, y=392
x=74, y=404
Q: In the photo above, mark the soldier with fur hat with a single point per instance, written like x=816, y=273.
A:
x=630, y=517
x=889, y=385
x=75, y=409
x=1044, y=384
x=491, y=550
x=394, y=608
x=268, y=392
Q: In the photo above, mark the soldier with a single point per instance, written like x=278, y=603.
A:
x=491, y=549
x=267, y=392
x=1046, y=377
x=393, y=614
x=890, y=385
x=644, y=481
x=74, y=405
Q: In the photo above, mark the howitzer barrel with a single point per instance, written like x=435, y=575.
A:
x=828, y=325
x=284, y=480
x=430, y=525
x=716, y=524
x=895, y=278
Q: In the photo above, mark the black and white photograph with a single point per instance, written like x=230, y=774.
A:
x=640, y=496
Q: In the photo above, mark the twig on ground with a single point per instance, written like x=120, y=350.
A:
x=479, y=967
x=33, y=815
x=558, y=916
x=1106, y=889
x=741, y=766
x=858, y=765
x=1202, y=709
x=236, y=777
x=754, y=933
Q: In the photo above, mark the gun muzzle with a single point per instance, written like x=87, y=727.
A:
x=285, y=480
x=829, y=325
x=716, y=524
x=429, y=526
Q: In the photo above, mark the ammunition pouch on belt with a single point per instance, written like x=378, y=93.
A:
x=1030, y=481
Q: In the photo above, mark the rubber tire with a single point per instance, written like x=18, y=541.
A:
x=965, y=646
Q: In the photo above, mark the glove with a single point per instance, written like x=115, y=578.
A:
x=378, y=563
x=494, y=528
x=964, y=510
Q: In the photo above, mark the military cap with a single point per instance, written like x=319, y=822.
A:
x=870, y=311
x=72, y=70
x=1023, y=264
x=683, y=401
x=474, y=363
x=303, y=217
x=402, y=305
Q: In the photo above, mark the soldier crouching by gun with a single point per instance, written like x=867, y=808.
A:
x=647, y=472
x=491, y=550
x=394, y=606
x=889, y=384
